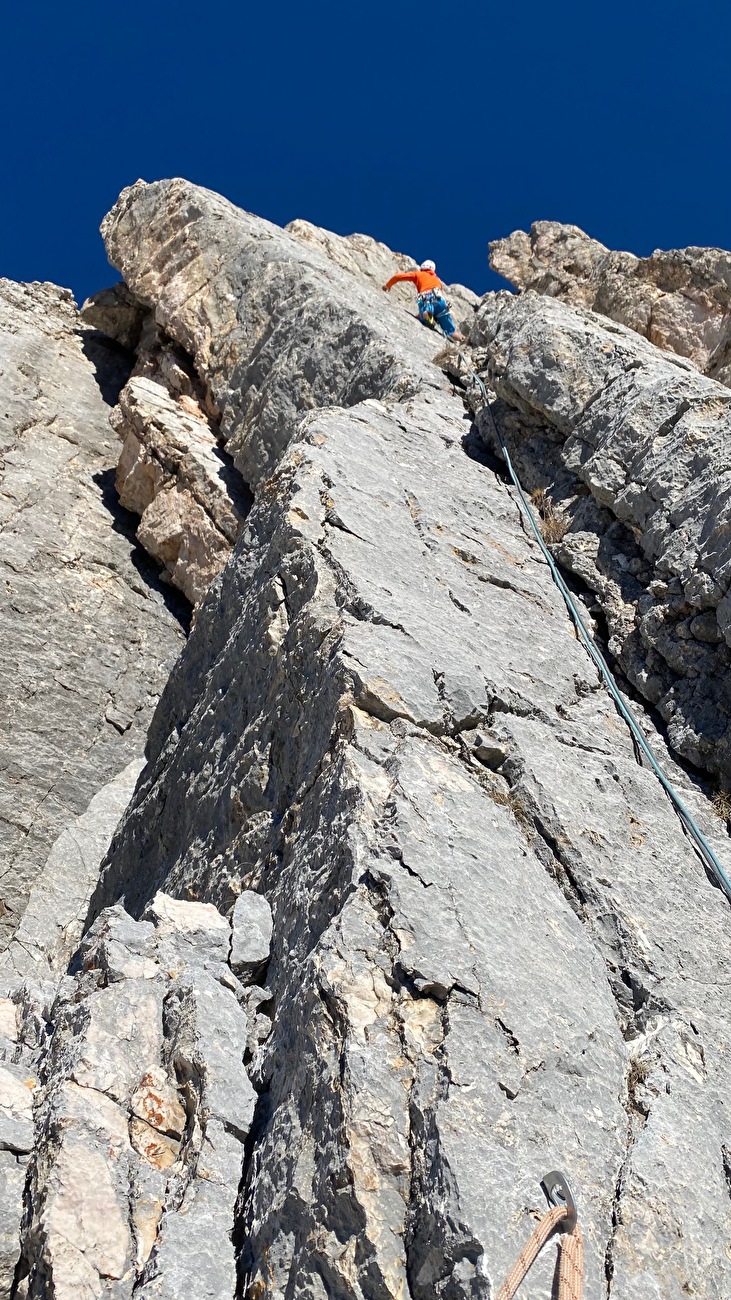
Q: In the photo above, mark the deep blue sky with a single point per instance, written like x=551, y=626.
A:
x=432, y=127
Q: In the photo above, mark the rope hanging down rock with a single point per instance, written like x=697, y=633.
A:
x=691, y=827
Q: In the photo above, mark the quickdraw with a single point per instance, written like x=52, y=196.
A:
x=563, y=1212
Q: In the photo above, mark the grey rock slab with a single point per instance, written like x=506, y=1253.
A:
x=196, y=1241
x=188, y=932
x=173, y=473
x=209, y=1030
x=114, y=1037
x=53, y=921
x=16, y=1109
x=143, y=1106
x=251, y=937
x=116, y=312
x=12, y=1187
x=80, y=1238
x=368, y=258
x=183, y=444
x=120, y=947
x=458, y=1007
x=86, y=639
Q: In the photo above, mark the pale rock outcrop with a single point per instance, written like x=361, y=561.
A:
x=117, y=313
x=494, y=952
x=172, y=473
x=629, y=447
x=487, y=946
x=133, y=1152
x=86, y=637
x=273, y=326
x=172, y=470
x=680, y=300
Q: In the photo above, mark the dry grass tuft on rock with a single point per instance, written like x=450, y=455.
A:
x=554, y=524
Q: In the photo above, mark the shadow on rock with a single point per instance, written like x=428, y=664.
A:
x=126, y=523
x=112, y=363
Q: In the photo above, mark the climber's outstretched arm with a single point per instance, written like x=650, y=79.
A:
x=403, y=275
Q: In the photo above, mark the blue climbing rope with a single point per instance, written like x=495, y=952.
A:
x=690, y=825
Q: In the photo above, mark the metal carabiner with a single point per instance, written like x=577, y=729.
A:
x=557, y=1189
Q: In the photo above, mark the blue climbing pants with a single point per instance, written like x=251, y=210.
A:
x=434, y=310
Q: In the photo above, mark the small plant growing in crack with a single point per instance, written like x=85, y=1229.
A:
x=722, y=805
x=513, y=800
x=554, y=524
x=639, y=1071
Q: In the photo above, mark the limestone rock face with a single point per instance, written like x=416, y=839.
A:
x=273, y=325
x=680, y=300
x=117, y=313
x=172, y=473
x=629, y=447
x=383, y=781
x=87, y=640
x=172, y=470
x=493, y=952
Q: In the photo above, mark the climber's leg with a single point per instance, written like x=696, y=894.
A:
x=443, y=318
x=425, y=305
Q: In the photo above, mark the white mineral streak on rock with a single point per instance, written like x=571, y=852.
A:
x=494, y=952
x=680, y=300
x=585, y=404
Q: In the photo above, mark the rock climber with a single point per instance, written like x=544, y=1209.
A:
x=433, y=306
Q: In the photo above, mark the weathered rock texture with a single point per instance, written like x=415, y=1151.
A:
x=172, y=470
x=628, y=449
x=86, y=639
x=273, y=325
x=132, y=1153
x=680, y=300
x=482, y=946
x=493, y=949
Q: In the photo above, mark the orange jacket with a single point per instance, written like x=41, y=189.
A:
x=423, y=280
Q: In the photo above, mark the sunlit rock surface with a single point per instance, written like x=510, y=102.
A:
x=680, y=300
x=384, y=783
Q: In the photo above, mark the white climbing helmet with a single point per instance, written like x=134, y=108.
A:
x=428, y=265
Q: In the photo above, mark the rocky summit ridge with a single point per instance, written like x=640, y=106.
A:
x=333, y=926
